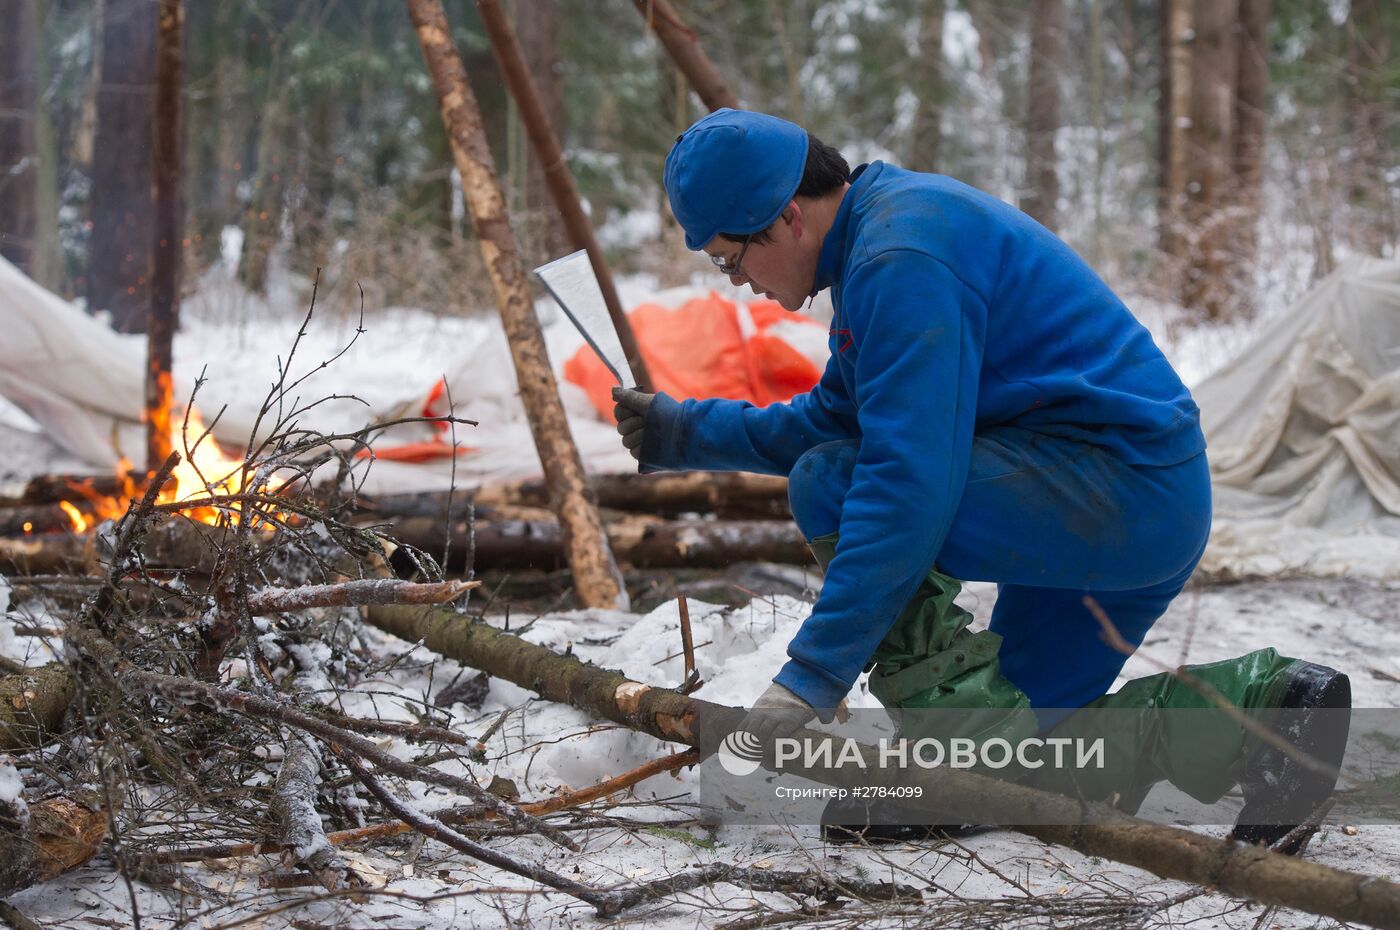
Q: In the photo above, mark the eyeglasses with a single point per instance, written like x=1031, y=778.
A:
x=724, y=266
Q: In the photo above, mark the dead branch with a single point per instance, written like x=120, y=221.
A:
x=300, y=835
x=456, y=815
x=685, y=51
x=808, y=884
x=358, y=593
x=180, y=691
x=445, y=834
x=613, y=901
x=1091, y=829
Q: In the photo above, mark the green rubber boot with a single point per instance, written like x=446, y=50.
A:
x=930, y=661
x=1205, y=751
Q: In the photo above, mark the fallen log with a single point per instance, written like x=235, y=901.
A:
x=46, y=839
x=50, y=489
x=32, y=706
x=33, y=518
x=1092, y=829
x=730, y=495
x=537, y=544
x=49, y=554
x=173, y=542
x=725, y=494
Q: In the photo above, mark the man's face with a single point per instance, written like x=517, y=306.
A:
x=778, y=268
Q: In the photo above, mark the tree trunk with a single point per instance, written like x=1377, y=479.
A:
x=564, y=193
x=931, y=87
x=1096, y=110
x=262, y=222
x=218, y=129
x=1251, y=116
x=596, y=577
x=1043, y=112
x=167, y=250
x=537, y=24
x=1369, y=115
x=685, y=51
x=1091, y=829
x=47, y=266
x=84, y=136
x=119, y=250
x=18, y=154
x=1174, y=122
x=1208, y=286
x=312, y=234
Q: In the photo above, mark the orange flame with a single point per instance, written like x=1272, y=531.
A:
x=204, y=470
x=80, y=523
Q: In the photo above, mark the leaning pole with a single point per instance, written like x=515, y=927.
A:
x=596, y=577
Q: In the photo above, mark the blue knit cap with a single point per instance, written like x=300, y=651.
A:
x=733, y=171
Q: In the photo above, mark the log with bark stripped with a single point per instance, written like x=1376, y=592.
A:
x=45, y=839
x=596, y=578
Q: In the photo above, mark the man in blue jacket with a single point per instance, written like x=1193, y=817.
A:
x=991, y=411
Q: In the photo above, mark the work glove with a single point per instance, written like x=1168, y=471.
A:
x=631, y=413
x=777, y=712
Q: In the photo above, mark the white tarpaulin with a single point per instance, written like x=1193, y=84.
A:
x=83, y=384
x=1304, y=436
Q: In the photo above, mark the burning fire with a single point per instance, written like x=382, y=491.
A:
x=204, y=470
x=80, y=523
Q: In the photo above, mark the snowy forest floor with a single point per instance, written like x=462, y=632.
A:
x=999, y=878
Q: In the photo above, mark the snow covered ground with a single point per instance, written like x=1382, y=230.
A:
x=1346, y=623
x=545, y=747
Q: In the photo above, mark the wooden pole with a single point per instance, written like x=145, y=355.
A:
x=679, y=40
x=1092, y=829
x=596, y=578
x=557, y=175
x=165, y=262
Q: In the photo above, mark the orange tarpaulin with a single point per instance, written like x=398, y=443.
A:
x=701, y=350
x=436, y=448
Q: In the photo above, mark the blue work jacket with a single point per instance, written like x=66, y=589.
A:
x=954, y=312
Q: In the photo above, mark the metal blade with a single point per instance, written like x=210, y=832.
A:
x=571, y=282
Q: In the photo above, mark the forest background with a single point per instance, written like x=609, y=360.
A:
x=1220, y=154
